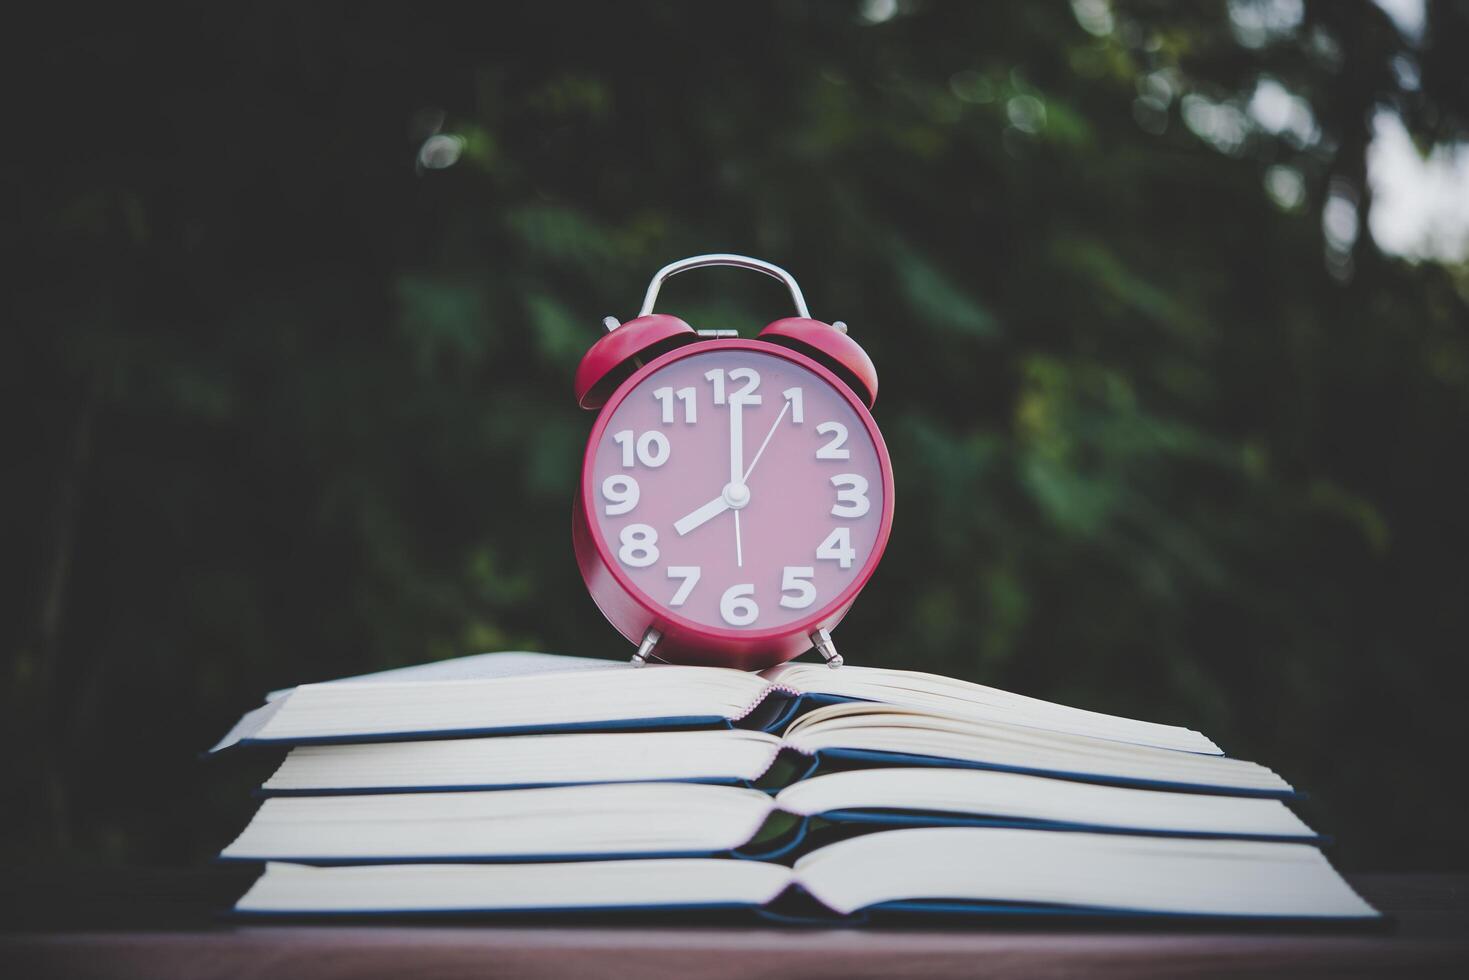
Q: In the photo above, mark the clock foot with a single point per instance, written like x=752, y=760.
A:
x=645, y=649
x=828, y=650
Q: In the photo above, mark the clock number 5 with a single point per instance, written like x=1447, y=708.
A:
x=797, y=579
x=851, y=495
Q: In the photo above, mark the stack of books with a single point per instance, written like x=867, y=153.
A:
x=536, y=784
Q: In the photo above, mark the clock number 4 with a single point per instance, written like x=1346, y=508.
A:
x=666, y=398
x=838, y=547
x=651, y=448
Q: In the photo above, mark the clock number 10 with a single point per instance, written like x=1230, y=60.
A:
x=651, y=448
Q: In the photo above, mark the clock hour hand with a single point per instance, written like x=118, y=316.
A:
x=702, y=515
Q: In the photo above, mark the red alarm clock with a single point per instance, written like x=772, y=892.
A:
x=736, y=494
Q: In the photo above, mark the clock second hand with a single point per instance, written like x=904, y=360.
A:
x=761, y=451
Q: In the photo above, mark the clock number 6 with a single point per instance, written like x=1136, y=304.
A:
x=737, y=607
x=851, y=495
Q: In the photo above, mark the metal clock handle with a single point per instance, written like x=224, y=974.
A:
x=723, y=258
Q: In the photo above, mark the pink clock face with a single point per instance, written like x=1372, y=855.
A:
x=738, y=490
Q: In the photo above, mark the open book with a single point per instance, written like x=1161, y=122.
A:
x=694, y=819
x=957, y=870
x=830, y=719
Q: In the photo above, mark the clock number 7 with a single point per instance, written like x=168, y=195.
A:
x=690, y=576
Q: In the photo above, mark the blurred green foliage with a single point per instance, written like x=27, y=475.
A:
x=289, y=398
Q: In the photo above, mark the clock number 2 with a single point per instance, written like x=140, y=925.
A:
x=833, y=449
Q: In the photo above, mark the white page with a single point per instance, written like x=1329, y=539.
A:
x=624, y=818
x=948, y=695
x=522, y=760
x=1099, y=871
x=884, y=728
x=508, y=887
x=477, y=667
x=1016, y=796
x=382, y=709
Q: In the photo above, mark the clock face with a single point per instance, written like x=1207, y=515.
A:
x=738, y=490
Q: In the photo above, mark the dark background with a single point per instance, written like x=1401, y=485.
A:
x=295, y=294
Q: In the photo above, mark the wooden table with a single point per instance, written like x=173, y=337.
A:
x=162, y=925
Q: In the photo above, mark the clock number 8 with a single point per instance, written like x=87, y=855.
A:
x=639, y=546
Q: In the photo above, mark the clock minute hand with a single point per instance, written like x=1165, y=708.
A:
x=702, y=515
x=736, y=441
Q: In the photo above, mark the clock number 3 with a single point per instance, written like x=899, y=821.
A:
x=851, y=495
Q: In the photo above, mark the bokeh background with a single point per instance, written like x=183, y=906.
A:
x=1168, y=302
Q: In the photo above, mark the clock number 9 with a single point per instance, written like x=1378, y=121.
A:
x=651, y=448
x=621, y=492
x=639, y=546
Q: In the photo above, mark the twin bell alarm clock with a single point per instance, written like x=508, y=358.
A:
x=735, y=493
